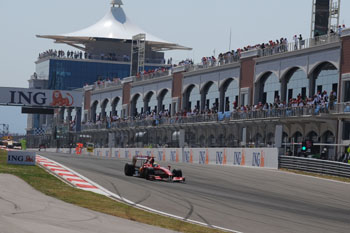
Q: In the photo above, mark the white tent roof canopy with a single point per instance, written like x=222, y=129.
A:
x=115, y=25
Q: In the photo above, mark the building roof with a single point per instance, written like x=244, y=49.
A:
x=115, y=25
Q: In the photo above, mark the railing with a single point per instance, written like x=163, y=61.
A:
x=225, y=60
x=106, y=84
x=278, y=113
x=190, y=67
x=277, y=49
x=102, y=58
x=156, y=74
x=38, y=77
x=301, y=44
x=315, y=166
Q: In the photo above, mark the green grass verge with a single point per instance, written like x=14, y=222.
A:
x=51, y=186
x=337, y=178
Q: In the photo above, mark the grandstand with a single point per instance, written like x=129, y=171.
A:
x=241, y=98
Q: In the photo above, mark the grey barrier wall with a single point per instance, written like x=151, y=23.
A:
x=315, y=165
x=247, y=157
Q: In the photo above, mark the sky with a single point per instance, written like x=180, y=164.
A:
x=203, y=25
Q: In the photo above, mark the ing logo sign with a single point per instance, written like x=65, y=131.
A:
x=160, y=155
x=258, y=159
x=237, y=158
x=173, y=156
x=186, y=157
x=219, y=157
x=202, y=157
x=59, y=100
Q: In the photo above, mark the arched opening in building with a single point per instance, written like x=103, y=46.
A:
x=116, y=107
x=298, y=137
x=324, y=79
x=312, y=136
x=267, y=88
x=294, y=83
x=164, y=100
x=150, y=102
x=210, y=97
x=105, y=109
x=229, y=94
x=191, y=98
x=136, y=105
x=94, y=111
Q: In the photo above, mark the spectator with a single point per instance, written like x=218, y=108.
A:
x=295, y=38
x=301, y=41
x=340, y=30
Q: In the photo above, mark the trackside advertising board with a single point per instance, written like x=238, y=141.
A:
x=39, y=98
x=21, y=157
x=244, y=157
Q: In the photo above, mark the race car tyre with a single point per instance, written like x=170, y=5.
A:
x=177, y=173
x=129, y=169
x=142, y=173
x=174, y=173
x=149, y=173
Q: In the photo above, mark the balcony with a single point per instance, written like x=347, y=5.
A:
x=327, y=111
x=300, y=45
x=148, y=76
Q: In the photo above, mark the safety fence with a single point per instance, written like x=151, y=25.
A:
x=315, y=166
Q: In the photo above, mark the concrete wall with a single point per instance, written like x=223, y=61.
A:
x=246, y=157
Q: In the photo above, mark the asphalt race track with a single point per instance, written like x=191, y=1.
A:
x=241, y=199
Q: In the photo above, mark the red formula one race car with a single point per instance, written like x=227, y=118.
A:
x=145, y=167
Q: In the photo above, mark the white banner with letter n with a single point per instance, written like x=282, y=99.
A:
x=21, y=157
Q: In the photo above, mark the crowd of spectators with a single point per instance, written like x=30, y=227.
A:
x=271, y=47
x=102, y=56
x=185, y=62
x=62, y=54
x=320, y=102
x=83, y=55
x=102, y=83
x=160, y=71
